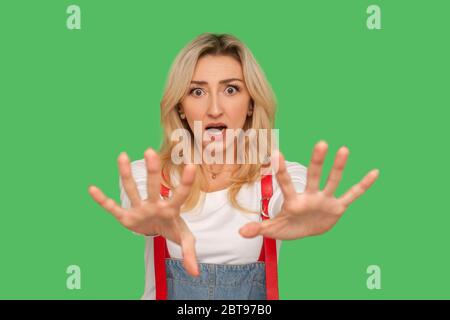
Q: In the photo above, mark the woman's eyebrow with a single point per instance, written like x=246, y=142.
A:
x=221, y=81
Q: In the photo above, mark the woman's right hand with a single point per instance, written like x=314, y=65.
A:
x=153, y=215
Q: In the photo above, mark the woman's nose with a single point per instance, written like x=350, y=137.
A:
x=214, y=107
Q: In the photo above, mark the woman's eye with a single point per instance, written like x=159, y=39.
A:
x=232, y=89
x=197, y=92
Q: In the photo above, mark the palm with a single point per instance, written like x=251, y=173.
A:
x=169, y=224
x=314, y=211
x=154, y=216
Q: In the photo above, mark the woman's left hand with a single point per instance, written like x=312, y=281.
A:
x=314, y=211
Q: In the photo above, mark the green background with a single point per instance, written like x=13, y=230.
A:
x=72, y=100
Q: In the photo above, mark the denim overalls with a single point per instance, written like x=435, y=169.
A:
x=219, y=281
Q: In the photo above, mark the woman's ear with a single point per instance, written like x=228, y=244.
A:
x=181, y=112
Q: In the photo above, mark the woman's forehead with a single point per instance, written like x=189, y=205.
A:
x=213, y=69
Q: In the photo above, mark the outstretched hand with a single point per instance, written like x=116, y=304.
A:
x=315, y=211
x=154, y=216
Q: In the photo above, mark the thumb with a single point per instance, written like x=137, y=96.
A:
x=251, y=230
x=189, y=255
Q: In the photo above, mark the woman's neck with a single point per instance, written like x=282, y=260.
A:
x=217, y=177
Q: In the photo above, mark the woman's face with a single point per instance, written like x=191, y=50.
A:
x=217, y=96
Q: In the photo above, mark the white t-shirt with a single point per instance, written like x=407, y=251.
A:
x=216, y=224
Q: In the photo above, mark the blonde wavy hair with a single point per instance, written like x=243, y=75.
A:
x=178, y=81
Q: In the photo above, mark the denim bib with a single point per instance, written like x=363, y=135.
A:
x=216, y=281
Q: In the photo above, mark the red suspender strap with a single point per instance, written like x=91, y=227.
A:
x=160, y=253
x=160, y=268
x=270, y=245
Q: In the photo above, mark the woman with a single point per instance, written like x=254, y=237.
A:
x=209, y=211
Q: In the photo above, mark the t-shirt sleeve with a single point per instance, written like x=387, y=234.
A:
x=298, y=175
x=139, y=174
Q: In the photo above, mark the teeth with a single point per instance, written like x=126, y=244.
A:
x=214, y=131
x=215, y=128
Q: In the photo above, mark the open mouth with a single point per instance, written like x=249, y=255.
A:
x=216, y=130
